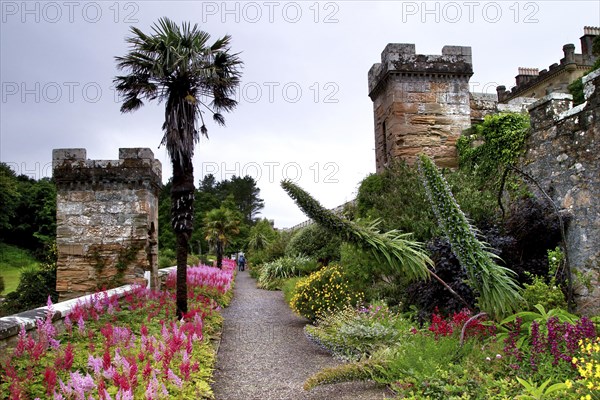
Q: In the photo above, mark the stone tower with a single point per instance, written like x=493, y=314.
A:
x=420, y=103
x=107, y=219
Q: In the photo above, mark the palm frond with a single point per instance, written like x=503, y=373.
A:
x=393, y=249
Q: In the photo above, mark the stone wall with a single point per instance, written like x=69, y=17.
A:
x=421, y=103
x=564, y=157
x=107, y=219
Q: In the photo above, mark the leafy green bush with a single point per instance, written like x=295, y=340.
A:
x=289, y=289
x=368, y=276
x=166, y=258
x=322, y=292
x=315, y=242
x=396, y=196
x=351, y=334
x=35, y=286
x=273, y=273
x=549, y=295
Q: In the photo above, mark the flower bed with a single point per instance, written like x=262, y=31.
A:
x=124, y=349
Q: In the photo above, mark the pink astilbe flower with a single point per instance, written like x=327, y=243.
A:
x=81, y=325
x=50, y=380
x=174, y=378
x=77, y=386
x=95, y=363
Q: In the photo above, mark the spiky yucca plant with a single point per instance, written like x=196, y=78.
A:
x=393, y=249
x=497, y=290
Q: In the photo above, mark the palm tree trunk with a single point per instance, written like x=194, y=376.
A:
x=219, y=254
x=182, y=213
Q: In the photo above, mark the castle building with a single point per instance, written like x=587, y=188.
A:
x=422, y=103
x=530, y=82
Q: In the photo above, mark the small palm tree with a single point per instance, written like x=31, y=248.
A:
x=221, y=224
x=178, y=66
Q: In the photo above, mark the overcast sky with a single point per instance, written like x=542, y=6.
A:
x=304, y=111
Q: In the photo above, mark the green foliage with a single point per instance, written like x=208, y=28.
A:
x=2, y=286
x=369, y=277
x=495, y=286
x=352, y=334
x=503, y=136
x=351, y=372
x=261, y=235
x=549, y=295
x=222, y=224
x=541, y=392
x=315, y=242
x=546, y=291
x=576, y=90
x=398, y=199
x=395, y=250
x=322, y=292
x=35, y=286
x=12, y=260
x=272, y=274
x=479, y=203
x=166, y=258
x=289, y=289
x=27, y=211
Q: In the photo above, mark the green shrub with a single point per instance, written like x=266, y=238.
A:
x=35, y=286
x=323, y=292
x=166, y=258
x=315, y=242
x=368, y=276
x=351, y=334
x=273, y=274
x=396, y=196
x=193, y=259
x=549, y=295
x=289, y=289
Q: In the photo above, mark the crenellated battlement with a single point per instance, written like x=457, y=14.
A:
x=421, y=103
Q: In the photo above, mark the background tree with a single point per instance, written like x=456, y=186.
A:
x=245, y=196
x=221, y=225
x=177, y=65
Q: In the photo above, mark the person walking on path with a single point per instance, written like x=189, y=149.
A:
x=241, y=262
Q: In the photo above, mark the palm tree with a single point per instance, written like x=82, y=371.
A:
x=221, y=224
x=176, y=65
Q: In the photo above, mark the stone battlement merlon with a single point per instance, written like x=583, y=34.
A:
x=401, y=58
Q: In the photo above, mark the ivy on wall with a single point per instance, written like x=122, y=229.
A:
x=497, y=142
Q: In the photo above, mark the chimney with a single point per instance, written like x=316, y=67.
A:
x=589, y=33
x=526, y=75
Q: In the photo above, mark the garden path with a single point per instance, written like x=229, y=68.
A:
x=264, y=354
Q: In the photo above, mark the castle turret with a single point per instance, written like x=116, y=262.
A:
x=420, y=103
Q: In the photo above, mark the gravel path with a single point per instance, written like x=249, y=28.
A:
x=265, y=355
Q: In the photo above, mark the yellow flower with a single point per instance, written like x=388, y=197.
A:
x=569, y=384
